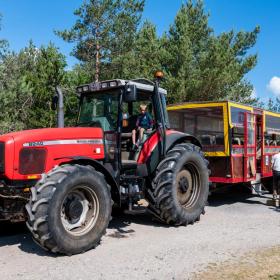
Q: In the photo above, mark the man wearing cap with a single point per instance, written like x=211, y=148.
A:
x=144, y=122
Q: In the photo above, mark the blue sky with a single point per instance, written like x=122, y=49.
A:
x=36, y=19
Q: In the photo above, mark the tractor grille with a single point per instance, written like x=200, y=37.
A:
x=2, y=157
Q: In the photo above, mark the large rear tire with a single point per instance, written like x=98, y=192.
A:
x=180, y=187
x=69, y=209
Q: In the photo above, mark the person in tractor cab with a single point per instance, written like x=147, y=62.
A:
x=144, y=122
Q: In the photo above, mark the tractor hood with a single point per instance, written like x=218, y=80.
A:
x=37, y=135
x=39, y=150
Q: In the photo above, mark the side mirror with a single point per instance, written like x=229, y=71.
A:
x=130, y=94
x=54, y=102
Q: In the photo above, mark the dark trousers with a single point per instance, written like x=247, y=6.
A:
x=276, y=181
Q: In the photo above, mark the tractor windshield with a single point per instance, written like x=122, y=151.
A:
x=99, y=110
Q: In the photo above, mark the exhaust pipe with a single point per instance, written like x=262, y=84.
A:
x=60, y=108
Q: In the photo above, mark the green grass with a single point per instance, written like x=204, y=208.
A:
x=274, y=277
x=247, y=267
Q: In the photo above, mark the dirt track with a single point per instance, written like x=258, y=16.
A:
x=135, y=247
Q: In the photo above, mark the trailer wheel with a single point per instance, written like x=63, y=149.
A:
x=180, y=187
x=69, y=209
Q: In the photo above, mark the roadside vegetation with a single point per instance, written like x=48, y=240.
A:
x=260, y=265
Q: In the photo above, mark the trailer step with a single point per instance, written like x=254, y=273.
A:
x=257, y=187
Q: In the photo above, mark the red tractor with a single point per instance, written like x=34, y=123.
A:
x=64, y=181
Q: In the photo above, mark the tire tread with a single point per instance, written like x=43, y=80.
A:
x=161, y=202
x=41, y=195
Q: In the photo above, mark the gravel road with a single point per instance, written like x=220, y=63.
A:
x=136, y=247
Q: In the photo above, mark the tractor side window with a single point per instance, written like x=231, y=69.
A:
x=99, y=110
x=136, y=106
x=136, y=110
x=166, y=118
x=131, y=112
x=113, y=110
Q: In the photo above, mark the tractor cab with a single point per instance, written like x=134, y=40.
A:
x=114, y=106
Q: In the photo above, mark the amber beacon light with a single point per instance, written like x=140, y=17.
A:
x=159, y=75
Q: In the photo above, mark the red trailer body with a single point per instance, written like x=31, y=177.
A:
x=238, y=140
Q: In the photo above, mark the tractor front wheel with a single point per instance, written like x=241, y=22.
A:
x=69, y=209
x=181, y=185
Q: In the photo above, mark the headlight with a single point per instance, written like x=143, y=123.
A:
x=32, y=161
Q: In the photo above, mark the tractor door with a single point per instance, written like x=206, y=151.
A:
x=250, y=153
x=101, y=109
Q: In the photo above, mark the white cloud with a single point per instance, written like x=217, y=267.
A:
x=274, y=85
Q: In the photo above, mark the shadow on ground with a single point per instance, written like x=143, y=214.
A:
x=17, y=234
x=235, y=194
x=121, y=221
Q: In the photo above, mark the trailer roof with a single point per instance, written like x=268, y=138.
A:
x=183, y=105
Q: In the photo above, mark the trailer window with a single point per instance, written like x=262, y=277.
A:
x=237, y=135
x=272, y=130
x=237, y=116
x=206, y=123
x=272, y=124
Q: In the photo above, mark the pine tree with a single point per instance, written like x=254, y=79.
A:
x=47, y=72
x=104, y=30
x=145, y=57
x=202, y=66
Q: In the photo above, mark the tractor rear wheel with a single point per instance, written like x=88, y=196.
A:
x=69, y=209
x=180, y=187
